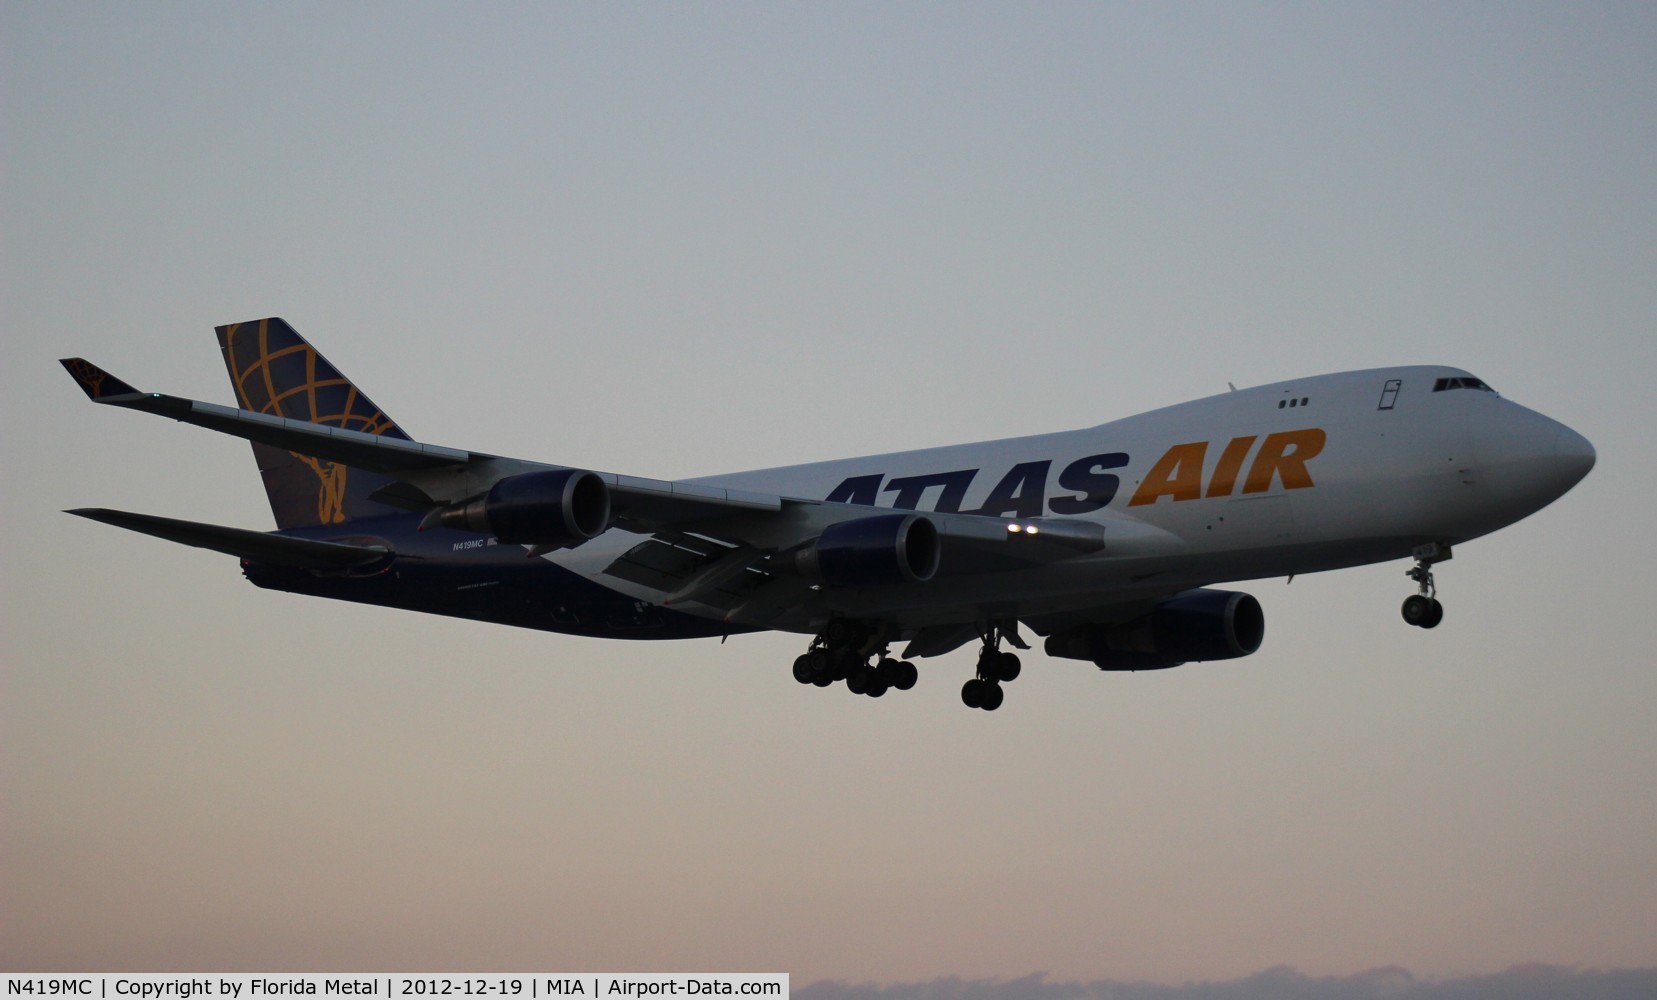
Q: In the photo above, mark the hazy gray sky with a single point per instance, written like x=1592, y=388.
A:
x=672, y=240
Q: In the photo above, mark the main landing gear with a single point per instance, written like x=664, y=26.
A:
x=1422, y=609
x=995, y=668
x=854, y=652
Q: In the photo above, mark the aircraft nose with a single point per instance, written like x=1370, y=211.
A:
x=1573, y=456
x=1526, y=461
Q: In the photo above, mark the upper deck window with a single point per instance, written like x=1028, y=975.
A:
x=1464, y=382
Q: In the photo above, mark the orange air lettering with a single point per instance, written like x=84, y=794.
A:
x=1177, y=474
x=1285, y=455
x=1224, y=479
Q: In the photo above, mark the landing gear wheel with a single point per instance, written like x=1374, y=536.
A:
x=904, y=675
x=1434, y=615
x=1417, y=609
x=992, y=697
x=855, y=651
x=995, y=666
x=843, y=663
x=1423, y=611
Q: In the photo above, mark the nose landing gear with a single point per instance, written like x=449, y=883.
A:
x=1422, y=609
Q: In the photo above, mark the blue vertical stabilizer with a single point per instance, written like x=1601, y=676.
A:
x=276, y=371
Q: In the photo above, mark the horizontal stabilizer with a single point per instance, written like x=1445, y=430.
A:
x=258, y=546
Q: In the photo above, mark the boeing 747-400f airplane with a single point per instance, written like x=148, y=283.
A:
x=1104, y=541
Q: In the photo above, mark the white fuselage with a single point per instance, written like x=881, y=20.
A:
x=1295, y=477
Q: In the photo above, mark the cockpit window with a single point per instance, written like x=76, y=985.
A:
x=1464, y=382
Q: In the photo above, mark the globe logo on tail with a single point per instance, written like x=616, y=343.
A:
x=275, y=371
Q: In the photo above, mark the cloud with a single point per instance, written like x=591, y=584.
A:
x=1520, y=982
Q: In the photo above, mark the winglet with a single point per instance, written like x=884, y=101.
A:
x=94, y=381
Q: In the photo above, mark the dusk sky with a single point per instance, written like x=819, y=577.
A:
x=674, y=240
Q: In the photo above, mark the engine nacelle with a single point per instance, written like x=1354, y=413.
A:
x=873, y=551
x=1196, y=625
x=562, y=507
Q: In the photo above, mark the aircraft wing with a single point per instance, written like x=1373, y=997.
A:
x=427, y=475
x=261, y=546
x=732, y=549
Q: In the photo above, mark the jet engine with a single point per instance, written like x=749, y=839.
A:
x=1196, y=625
x=561, y=507
x=872, y=551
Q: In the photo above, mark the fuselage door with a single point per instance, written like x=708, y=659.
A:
x=1389, y=393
